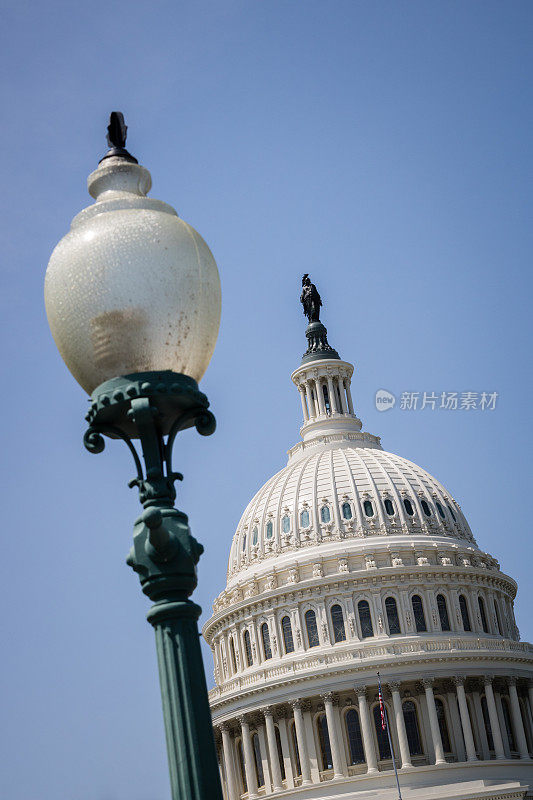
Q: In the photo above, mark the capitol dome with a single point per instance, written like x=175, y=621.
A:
x=348, y=562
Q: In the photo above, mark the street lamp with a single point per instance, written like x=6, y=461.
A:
x=132, y=295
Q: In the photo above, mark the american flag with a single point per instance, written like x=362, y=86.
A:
x=382, y=707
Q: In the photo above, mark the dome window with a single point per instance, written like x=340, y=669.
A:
x=381, y=735
x=442, y=607
x=392, y=616
x=425, y=508
x=269, y=529
x=286, y=524
x=304, y=518
x=346, y=511
x=286, y=629
x=244, y=543
x=365, y=619
x=389, y=508
x=325, y=514
x=248, y=649
x=337, y=621
x=418, y=613
x=408, y=506
x=265, y=636
x=311, y=627
x=254, y=536
x=483, y=616
x=369, y=508
x=463, y=605
x=440, y=510
x=451, y=514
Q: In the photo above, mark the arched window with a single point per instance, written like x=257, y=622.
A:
x=242, y=771
x=389, y=508
x=254, y=536
x=323, y=738
x=440, y=510
x=365, y=619
x=269, y=529
x=408, y=506
x=482, y=614
x=443, y=726
x=265, y=636
x=296, y=752
x=498, y=617
x=304, y=518
x=355, y=740
x=232, y=654
x=346, y=510
x=486, y=721
x=425, y=508
x=508, y=724
x=418, y=613
x=312, y=630
x=325, y=515
x=381, y=736
x=369, y=508
x=286, y=629
x=451, y=513
x=463, y=606
x=244, y=543
x=337, y=621
x=410, y=718
x=258, y=764
x=248, y=649
x=286, y=524
x=443, y=613
x=279, y=748
x=392, y=616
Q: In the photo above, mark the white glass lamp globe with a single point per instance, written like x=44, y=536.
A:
x=131, y=287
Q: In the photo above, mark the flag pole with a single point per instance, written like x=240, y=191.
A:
x=385, y=724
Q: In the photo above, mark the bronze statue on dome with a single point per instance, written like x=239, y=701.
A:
x=310, y=299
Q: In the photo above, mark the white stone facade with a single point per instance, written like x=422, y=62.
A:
x=348, y=562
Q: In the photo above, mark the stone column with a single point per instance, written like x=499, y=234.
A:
x=332, y=398
x=342, y=392
x=434, y=721
x=302, y=744
x=285, y=749
x=405, y=754
x=320, y=397
x=301, y=389
x=249, y=762
x=333, y=735
x=493, y=717
x=349, y=396
x=264, y=758
x=309, y=398
x=466, y=725
x=518, y=725
x=366, y=730
x=273, y=750
x=231, y=782
x=478, y=715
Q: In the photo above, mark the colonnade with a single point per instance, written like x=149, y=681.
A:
x=325, y=395
x=455, y=719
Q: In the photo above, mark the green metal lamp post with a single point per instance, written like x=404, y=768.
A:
x=132, y=296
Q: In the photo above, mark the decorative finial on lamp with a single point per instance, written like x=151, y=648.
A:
x=117, y=131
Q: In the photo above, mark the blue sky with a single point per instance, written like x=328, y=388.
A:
x=383, y=147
